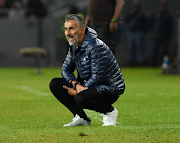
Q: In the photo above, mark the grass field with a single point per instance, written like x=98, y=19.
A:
x=149, y=110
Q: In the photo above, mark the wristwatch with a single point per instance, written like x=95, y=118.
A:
x=113, y=20
x=74, y=86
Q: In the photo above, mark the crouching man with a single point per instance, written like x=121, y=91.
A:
x=99, y=82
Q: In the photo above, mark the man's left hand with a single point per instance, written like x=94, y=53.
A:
x=71, y=91
x=113, y=26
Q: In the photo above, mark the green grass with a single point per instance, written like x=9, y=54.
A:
x=149, y=110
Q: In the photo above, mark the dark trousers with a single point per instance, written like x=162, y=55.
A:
x=160, y=40
x=136, y=47
x=87, y=99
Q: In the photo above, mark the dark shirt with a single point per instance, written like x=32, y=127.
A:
x=101, y=11
x=136, y=21
x=162, y=23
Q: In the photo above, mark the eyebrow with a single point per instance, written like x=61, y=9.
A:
x=69, y=28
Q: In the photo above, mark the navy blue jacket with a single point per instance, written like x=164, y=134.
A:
x=96, y=65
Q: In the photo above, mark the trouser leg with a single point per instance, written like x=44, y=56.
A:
x=157, y=43
x=132, y=48
x=91, y=99
x=140, y=47
x=56, y=87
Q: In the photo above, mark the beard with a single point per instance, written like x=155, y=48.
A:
x=75, y=41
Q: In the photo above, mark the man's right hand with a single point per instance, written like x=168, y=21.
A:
x=87, y=20
x=80, y=88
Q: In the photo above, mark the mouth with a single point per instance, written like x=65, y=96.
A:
x=70, y=38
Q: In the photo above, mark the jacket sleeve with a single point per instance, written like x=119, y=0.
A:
x=99, y=58
x=68, y=68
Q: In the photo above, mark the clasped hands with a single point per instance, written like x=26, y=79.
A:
x=72, y=91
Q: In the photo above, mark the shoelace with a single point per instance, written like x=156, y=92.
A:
x=75, y=118
x=105, y=118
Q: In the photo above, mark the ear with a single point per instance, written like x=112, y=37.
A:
x=83, y=30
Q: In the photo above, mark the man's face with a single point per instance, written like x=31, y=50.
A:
x=73, y=33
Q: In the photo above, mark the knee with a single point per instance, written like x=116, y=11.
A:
x=80, y=100
x=53, y=84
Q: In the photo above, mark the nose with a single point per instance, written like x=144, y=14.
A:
x=67, y=32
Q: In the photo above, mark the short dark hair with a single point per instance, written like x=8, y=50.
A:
x=78, y=18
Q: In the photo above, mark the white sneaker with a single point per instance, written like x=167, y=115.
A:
x=78, y=121
x=109, y=119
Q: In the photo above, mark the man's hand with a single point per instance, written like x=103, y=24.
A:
x=70, y=91
x=87, y=20
x=113, y=26
x=80, y=88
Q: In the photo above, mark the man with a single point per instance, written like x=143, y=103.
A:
x=99, y=82
x=136, y=23
x=105, y=16
x=161, y=24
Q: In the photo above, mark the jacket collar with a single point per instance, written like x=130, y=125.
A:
x=89, y=35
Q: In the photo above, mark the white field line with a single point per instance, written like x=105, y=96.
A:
x=93, y=114
x=31, y=90
x=96, y=115
x=145, y=94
